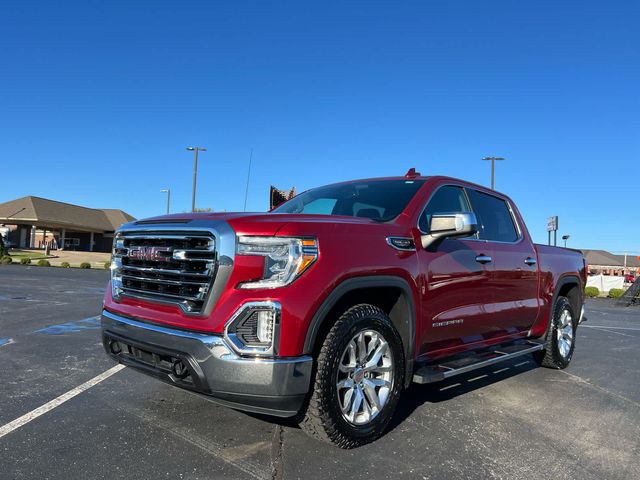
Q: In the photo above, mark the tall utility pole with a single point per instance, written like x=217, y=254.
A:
x=195, y=151
x=493, y=169
x=168, y=192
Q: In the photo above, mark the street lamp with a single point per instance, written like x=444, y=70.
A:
x=195, y=151
x=168, y=192
x=565, y=238
x=493, y=168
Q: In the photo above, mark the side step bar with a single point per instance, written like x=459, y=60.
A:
x=450, y=368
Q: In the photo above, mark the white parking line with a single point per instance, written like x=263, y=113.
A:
x=614, y=328
x=32, y=415
x=610, y=330
x=614, y=332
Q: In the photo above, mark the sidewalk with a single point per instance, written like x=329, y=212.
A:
x=96, y=259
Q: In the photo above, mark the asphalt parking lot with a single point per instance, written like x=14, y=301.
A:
x=512, y=420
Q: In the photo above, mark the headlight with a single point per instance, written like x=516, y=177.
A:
x=285, y=258
x=116, y=267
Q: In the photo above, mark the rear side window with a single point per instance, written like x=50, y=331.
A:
x=447, y=199
x=495, y=222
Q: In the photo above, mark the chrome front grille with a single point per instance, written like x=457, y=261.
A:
x=165, y=266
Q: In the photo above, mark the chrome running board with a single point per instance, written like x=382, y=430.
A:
x=450, y=368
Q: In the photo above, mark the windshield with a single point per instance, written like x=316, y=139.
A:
x=380, y=200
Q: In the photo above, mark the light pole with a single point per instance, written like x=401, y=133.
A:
x=195, y=151
x=168, y=192
x=493, y=169
x=565, y=238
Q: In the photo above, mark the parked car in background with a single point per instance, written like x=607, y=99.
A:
x=328, y=307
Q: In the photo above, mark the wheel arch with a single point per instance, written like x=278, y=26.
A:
x=568, y=286
x=392, y=294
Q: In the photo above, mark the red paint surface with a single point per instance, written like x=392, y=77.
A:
x=502, y=300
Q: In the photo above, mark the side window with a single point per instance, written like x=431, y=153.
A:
x=447, y=199
x=495, y=221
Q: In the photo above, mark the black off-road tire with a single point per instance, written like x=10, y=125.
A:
x=322, y=417
x=551, y=357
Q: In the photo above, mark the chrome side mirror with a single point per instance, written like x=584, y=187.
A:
x=450, y=225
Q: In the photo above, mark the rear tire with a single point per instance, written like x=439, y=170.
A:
x=561, y=337
x=358, y=379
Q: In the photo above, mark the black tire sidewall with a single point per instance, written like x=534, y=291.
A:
x=378, y=322
x=562, y=304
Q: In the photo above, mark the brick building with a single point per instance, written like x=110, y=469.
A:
x=34, y=222
x=603, y=262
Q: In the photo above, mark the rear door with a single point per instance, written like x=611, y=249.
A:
x=514, y=275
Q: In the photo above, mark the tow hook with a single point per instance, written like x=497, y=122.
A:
x=114, y=347
x=179, y=369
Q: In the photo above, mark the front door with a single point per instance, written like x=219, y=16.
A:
x=455, y=283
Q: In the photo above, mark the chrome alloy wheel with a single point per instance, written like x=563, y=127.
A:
x=365, y=377
x=564, y=333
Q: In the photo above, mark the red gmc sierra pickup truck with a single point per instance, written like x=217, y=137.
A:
x=326, y=308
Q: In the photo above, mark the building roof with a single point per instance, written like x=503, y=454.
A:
x=117, y=217
x=51, y=213
x=632, y=260
x=607, y=259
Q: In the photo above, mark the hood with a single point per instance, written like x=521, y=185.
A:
x=256, y=223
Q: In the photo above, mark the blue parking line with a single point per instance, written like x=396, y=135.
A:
x=91, y=323
x=5, y=341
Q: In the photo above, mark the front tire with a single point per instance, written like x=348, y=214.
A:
x=561, y=338
x=358, y=379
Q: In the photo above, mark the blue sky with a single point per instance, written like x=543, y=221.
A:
x=99, y=99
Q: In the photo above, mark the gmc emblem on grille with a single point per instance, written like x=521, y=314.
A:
x=153, y=254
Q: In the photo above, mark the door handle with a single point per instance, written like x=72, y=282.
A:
x=530, y=261
x=484, y=259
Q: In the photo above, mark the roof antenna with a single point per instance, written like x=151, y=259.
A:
x=411, y=173
x=246, y=191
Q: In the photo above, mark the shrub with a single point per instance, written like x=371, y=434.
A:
x=25, y=261
x=6, y=260
x=85, y=265
x=107, y=265
x=43, y=263
x=591, y=292
x=616, y=293
x=65, y=265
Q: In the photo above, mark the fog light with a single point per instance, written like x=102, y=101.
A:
x=265, y=326
x=252, y=329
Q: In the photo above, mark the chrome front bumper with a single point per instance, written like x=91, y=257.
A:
x=207, y=365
